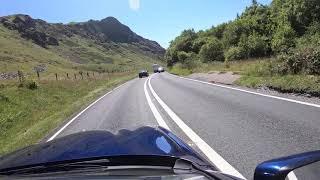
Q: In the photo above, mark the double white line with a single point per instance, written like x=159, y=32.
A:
x=211, y=154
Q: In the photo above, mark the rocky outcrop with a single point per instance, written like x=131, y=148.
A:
x=27, y=27
x=104, y=31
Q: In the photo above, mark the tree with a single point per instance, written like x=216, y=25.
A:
x=254, y=2
x=235, y=53
x=212, y=51
x=184, y=41
x=283, y=38
x=257, y=45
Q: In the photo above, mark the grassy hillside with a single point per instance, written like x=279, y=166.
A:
x=27, y=115
x=74, y=54
x=31, y=109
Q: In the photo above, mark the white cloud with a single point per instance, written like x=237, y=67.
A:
x=134, y=4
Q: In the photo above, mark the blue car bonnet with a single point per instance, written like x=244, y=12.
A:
x=92, y=144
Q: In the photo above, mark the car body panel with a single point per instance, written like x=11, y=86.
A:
x=143, y=141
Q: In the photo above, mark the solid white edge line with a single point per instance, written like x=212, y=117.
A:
x=212, y=155
x=250, y=92
x=75, y=117
x=153, y=108
x=291, y=175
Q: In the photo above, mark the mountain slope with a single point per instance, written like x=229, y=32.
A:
x=105, y=45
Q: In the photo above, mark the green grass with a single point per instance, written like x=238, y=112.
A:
x=240, y=67
x=287, y=83
x=255, y=74
x=72, y=55
x=179, y=70
x=26, y=116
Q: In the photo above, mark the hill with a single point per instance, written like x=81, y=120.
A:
x=77, y=63
x=105, y=45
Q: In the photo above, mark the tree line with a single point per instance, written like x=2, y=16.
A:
x=286, y=29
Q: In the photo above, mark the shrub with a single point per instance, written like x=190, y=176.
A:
x=183, y=56
x=212, y=51
x=32, y=85
x=303, y=60
x=187, y=60
x=235, y=53
x=4, y=98
x=198, y=43
x=283, y=39
x=257, y=45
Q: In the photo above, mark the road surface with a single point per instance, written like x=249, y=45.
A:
x=236, y=129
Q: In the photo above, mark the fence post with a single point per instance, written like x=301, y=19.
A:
x=38, y=75
x=81, y=74
x=20, y=76
x=75, y=76
x=56, y=76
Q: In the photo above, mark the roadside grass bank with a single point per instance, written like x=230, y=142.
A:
x=27, y=115
x=256, y=73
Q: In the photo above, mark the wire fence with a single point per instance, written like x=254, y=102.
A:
x=21, y=77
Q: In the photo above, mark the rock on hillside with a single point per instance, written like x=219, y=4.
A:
x=104, y=31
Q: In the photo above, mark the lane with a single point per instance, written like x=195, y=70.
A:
x=244, y=128
x=125, y=108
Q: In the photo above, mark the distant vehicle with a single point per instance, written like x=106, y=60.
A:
x=160, y=69
x=155, y=68
x=146, y=153
x=143, y=73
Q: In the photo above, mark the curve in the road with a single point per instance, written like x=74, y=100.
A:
x=211, y=154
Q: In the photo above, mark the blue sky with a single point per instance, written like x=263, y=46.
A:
x=159, y=20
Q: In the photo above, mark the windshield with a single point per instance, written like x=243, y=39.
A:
x=223, y=84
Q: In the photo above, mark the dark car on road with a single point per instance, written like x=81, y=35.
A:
x=145, y=153
x=143, y=73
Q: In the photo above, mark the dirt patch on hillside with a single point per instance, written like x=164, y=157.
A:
x=216, y=77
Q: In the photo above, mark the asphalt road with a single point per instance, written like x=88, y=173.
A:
x=244, y=129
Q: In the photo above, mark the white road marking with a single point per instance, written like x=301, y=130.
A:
x=153, y=108
x=291, y=175
x=212, y=155
x=195, y=178
x=250, y=92
x=75, y=117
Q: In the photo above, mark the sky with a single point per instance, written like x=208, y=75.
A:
x=159, y=20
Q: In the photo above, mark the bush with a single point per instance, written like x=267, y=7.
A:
x=183, y=56
x=235, y=53
x=212, y=51
x=198, y=43
x=283, y=39
x=187, y=60
x=179, y=69
x=257, y=45
x=4, y=98
x=32, y=85
x=303, y=60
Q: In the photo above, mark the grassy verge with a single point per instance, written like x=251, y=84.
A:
x=179, y=70
x=287, y=84
x=255, y=73
x=26, y=116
